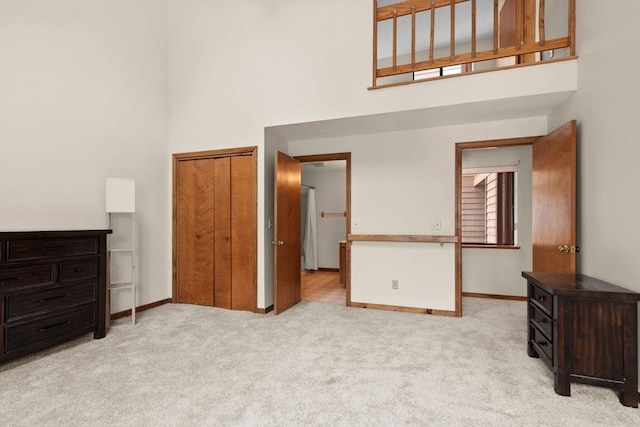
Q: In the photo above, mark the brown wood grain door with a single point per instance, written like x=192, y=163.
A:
x=194, y=232
x=554, y=200
x=286, y=233
x=244, y=250
x=222, y=232
x=215, y=228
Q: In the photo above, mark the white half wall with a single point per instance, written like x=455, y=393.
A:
x=425, y=273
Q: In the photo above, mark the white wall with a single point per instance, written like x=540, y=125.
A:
x=400, y=181
x=331, y=190
x=607, y=107
x=498, y=271
x=83, y=96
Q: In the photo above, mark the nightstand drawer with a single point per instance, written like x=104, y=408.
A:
x=27, y=276
x=43, y=332
x=40, y=302
x=78, y=270
x=544, y=299
x=32, y=249
x=543, y=343
x=541, y=320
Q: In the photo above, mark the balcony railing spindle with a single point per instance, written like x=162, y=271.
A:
x=541, y=23
x=453, y=30
x=473, y=28
x=495, y=26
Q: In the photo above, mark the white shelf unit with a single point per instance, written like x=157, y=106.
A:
x=122, y=259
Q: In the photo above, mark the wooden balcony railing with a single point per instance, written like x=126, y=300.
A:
x=502, y=33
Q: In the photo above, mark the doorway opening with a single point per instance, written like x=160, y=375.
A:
x=325, y=225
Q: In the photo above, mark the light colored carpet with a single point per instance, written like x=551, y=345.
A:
x=316, y=364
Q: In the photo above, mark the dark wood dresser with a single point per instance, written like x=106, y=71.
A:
x=586, y=331
x=52, y=288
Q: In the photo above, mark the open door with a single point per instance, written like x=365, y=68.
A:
x=554, y=201
x=286, y=243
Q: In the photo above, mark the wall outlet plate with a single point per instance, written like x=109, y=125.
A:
x=436, y=224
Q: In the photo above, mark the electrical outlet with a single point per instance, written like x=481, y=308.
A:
x=435, y=224
x=394, y=284
x=355, y=224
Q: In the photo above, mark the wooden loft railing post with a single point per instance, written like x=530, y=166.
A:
x=413, y=36
x=395, y=40
x=495, y=26
x=572, y=27
x=432, y=30
x=375, y=43
x=519, y=22
x=453, y=30
x=541, y=23
x=473, y=28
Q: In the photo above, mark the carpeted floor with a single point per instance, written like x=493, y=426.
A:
x=317, y=364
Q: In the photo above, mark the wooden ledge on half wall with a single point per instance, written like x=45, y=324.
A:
x=411, y=238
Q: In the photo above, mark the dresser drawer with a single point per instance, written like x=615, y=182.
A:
x=27, y=276
x=40, y=302
x=32, y=249
x=543, y=343
x=48, y=331
x=78, y=270
x=541, y=320
x=543, y=298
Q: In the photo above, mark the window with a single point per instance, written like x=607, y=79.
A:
x=442, y=71
x=488, y=210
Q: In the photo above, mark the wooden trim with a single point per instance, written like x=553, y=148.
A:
x=413, y=36
x=479, y=246
x=489, y=70
x=126, y=313
x=493, y=296
x=410, y=238
x=264, y=310
x=209, y=154
x=416, y=310
x=404, y=8
x=395, y=40
x=335, y=270
x=496, y=143
x=458, y=229
x=463, y=58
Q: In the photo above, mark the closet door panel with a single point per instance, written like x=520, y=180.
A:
x=243, y=233
x=222, y=240
x=194, y=232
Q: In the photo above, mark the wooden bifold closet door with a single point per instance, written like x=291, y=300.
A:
x=215, y=245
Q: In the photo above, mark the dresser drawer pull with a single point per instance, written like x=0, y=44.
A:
x=541, y=298
x=543, y=320
x=542, y=343
x=54, y=298
x=57, y=325
x=77, y=269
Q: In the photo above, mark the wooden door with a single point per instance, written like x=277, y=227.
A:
x=194, y=232
x=286, y=232
x=215, y=228
x=554, y=200
x=244, y=250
